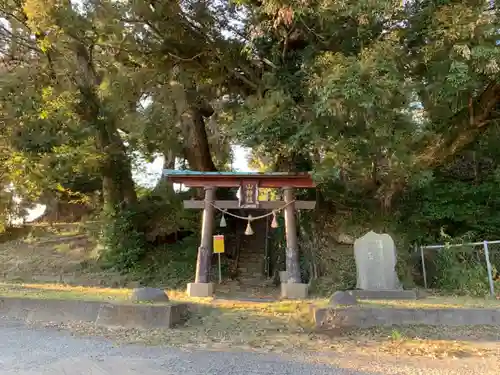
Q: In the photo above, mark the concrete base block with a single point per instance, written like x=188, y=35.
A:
x=99, y=313
x=294, y=291
x=49, y=310
x=385, y=294
x=200, y=289
x=142, y=316
x=365, y=317
x=283, y=277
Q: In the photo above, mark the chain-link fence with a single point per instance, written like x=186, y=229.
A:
x=485, y=247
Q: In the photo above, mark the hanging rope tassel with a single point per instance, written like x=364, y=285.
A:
x=222, y=223
x=274, y=223
x=249, y=230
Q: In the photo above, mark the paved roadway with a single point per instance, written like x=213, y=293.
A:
x=44, y=351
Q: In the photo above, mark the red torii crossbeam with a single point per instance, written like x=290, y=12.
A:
x=234, y=179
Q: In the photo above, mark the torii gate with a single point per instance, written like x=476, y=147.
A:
x=249, y=184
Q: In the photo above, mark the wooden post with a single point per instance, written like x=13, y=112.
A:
x=205, y=249
x=292, y=248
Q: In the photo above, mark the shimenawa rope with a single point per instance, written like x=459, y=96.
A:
x=251, y=218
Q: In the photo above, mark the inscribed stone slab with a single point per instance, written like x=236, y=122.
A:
x=375, y=256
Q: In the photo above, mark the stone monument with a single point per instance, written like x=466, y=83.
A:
x=377, y=278
x=375, y=256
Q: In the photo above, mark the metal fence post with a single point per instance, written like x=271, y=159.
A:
x=488, y=266
x=424, y=272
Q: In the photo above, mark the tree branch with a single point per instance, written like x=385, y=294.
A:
x=464, y=128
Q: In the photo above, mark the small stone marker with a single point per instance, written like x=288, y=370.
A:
x=343, y=298
x=376, y=262
x=149, y=295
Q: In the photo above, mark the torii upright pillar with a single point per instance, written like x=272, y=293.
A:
x=202, y=287
x=293, y=288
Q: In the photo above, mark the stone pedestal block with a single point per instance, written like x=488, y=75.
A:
x=283, y=277
x=200, y=289
x=294, y=290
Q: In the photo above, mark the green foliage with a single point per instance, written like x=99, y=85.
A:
x=128, y=233
x=339, y=271
x=331, y=266
x=454, y=209
x=456, y=201
x=172, y=265
x=462, y=271
x=124, y=246
x=162, y=213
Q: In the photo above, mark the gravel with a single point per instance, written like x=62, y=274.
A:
x=27, y=350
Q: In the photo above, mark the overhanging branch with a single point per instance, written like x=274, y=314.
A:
x=464, y=128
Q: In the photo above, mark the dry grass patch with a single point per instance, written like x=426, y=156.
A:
x=91, y=293
x=60, y=291
x=49, y=254
x=436, y=302
x=60, y=253
x=429, y=341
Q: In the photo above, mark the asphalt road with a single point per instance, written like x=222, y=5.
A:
x=27, y=350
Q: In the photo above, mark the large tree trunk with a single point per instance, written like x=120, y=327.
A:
x=164, y=183
x=118, y=186
x=197, y=149
x=191, y=111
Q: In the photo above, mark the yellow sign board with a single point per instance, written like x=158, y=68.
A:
x=218, y=244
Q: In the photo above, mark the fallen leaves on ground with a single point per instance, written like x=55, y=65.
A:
x=286, y=327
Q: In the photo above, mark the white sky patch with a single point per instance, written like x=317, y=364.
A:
x=147, y=174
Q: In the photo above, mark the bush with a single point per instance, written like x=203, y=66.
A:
x=124, y=245
x=171, y=265
x=461, y=270
x=128, y=234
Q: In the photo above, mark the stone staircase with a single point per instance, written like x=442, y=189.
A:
x=250, y=280
x=251, y=262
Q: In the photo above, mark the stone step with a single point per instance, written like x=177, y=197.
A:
x=250, y=267
x=252, y=257
x=386, y=294
x=250, y=264
x=252, y=260
x=254, y=281
x=252, y=278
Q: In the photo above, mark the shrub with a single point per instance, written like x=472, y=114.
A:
x=461, y=270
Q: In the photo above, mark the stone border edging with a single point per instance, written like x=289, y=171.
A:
x=106, y=314
x=367, y=317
